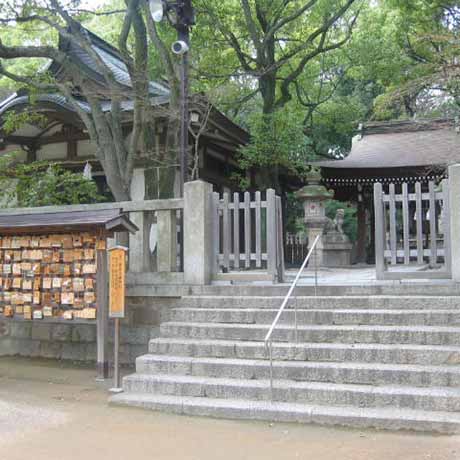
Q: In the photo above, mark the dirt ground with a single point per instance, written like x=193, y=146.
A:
x=56, y=411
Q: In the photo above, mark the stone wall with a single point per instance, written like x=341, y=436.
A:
x=76, y=341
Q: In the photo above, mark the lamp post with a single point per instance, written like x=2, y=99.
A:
x=181, y=15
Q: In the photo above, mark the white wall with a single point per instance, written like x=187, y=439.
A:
x=53, y=152
x=86, y=148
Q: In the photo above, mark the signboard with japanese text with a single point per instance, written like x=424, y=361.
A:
x=117, y=283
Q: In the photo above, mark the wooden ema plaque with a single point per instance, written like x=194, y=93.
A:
x=48, y=276
x=117, y=282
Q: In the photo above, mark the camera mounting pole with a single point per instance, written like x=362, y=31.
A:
x=182, y=20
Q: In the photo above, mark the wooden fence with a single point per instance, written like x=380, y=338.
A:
x=296, y=249
x=248, y=233
x=412, y=229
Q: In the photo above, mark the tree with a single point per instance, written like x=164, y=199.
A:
x=266, y=47
x=138, y=32
x=418, y=45
x=274, y=41
x=43, y=184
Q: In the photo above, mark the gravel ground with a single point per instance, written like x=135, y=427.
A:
x=56, y=411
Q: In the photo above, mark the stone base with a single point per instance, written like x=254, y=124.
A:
x=76, y=341
x=337, y=255
x=72, y=341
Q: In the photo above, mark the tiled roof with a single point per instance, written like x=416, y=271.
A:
x=402, y=144
x=60, y=101
x=111, y=58
x=110, y=219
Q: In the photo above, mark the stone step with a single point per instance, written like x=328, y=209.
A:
x=383, y=418
x=429, y=399
x=422, y=335
x=335, y=352
x=386, y=302
x=317, y=316
x=432, y=288
x=356, y=373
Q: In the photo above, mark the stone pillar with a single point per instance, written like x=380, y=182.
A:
x=454, y=201
x=139, y=247
x=313, y=196
x=198, y=232
x=167, y=241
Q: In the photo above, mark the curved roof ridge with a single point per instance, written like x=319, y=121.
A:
x=406, y=125
x=425, y=145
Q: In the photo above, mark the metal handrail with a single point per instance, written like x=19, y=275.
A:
x=268, y=338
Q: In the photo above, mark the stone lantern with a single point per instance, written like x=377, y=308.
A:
x=313, y=197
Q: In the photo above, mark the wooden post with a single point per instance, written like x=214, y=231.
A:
x=102, y=322
x=258, y=232
x=117, y=276
x=379, y=232
x=247, y=229
x=393, y=243
x=226, y=231
x=432, y=210
x=405, y=211
x=419, y=221
x=446, y=226
x=280, y=239
x=271, y=233
x=362, y=232
x=236, y=230
x=216, y=232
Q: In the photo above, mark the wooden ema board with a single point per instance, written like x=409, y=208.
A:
x=117, y=282
x=49, y=276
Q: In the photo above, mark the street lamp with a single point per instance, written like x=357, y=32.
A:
x=181, y=15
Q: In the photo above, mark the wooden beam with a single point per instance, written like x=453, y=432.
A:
x=361, y=233
x=102, y=321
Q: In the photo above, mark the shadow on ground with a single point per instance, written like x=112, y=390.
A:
x=57, y=411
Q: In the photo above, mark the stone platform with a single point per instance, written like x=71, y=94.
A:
x=380, y=355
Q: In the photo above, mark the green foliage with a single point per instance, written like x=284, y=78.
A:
x=13, y=121
x=43, y=184
x=350, y=221
x=399, y=50
x=294, y=214
x=277, y=140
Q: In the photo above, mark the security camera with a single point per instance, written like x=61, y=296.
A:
x=179, y=47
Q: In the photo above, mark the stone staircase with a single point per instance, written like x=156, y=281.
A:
x=384, y=361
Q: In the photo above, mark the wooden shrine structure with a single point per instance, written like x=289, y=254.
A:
x=54, y=268
x=60, y=135
x=393, y=152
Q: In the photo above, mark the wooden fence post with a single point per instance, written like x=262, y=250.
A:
x=271, y=233
x=280, y=240
x=433, y=238
x=446, y=226
x=216, y=232
x=419, y=220
x=236, y=230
